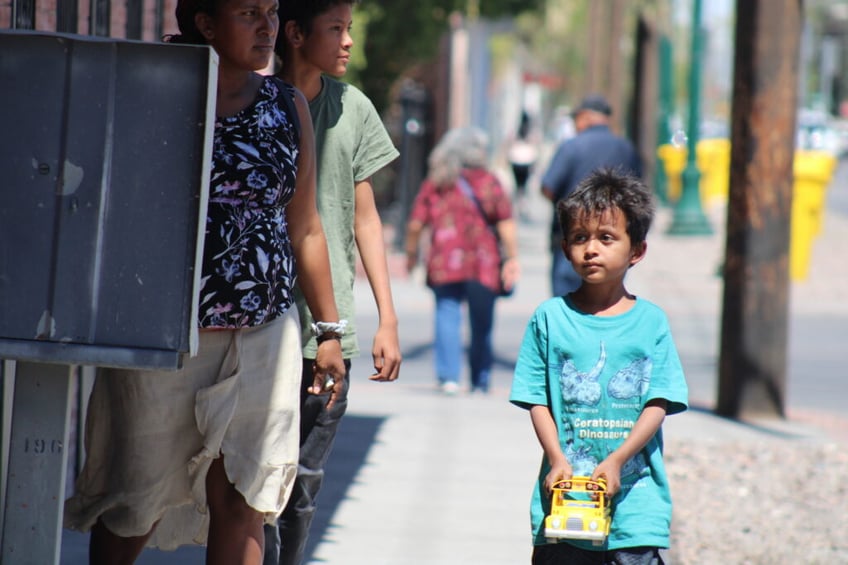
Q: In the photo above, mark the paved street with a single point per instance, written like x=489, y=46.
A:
x=421, y=479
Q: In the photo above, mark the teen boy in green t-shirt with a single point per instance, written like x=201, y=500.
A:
x=351, y=145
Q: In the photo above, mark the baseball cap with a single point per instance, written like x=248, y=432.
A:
x=595, y=103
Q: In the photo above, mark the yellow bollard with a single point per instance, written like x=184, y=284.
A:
x=812, y=171
x=713, y=158
x=713, y=161
x=674, y=161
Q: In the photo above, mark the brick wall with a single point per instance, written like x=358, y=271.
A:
x=156, y=16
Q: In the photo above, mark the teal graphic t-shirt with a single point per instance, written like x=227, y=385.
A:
x=596, y=373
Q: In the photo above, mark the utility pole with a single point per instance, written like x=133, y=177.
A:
x=604, y=61
x=598, y=43
x=755, y=311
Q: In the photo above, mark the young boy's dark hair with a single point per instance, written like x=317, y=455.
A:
x=609, y=189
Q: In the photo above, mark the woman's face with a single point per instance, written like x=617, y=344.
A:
x=242, y=32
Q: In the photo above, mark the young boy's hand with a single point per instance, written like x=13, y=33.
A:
x=610, y=471
x=560, y=470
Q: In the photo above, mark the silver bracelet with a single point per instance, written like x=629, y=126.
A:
x=320, y=328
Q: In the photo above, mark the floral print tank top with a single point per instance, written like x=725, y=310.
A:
x=248, y=265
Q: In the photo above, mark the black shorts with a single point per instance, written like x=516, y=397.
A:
x=562, y=553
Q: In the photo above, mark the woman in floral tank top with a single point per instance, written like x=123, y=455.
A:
x=208, y=454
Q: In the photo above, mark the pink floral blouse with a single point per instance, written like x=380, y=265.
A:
x=462, y=246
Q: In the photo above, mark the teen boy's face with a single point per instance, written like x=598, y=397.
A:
x=327, y=47
x=599, y=247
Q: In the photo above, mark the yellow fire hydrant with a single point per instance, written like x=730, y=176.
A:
x=812, y=172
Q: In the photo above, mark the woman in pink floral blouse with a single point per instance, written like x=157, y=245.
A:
x=466, y=211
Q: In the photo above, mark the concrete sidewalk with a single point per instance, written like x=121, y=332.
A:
x=417, y=478
x=447, y=480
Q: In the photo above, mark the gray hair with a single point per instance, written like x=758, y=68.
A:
x=459, y=148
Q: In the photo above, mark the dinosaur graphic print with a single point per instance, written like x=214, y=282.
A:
x=631, y=381
x=581, y=460
x=582, y=388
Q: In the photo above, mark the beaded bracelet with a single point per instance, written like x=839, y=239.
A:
x=320, y=328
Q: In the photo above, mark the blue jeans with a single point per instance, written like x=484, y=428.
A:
x=448, y=339
x=285, y=544
x=564, y=278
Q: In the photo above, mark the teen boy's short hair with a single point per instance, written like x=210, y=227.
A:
x=304, y=11
x=608, y=189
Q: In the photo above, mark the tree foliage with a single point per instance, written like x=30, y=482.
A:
x=402, y=34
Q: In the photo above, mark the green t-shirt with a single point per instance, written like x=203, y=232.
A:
x=596, y=373
x=351, y=145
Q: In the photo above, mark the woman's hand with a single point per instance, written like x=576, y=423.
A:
x=328, y=371
x=510, y=273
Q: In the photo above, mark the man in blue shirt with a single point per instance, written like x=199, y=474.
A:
x=594, y=146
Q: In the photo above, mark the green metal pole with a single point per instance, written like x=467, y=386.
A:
x=689, y=218
x=665, y=105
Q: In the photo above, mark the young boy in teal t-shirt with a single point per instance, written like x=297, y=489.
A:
x=598, y=372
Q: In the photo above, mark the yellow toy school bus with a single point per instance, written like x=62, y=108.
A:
x=579, y=510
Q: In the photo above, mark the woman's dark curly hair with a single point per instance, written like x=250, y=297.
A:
x=185, y=13
x=609, y=190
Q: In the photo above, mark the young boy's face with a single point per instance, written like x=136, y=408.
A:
x=327, y=47
x=599, y=247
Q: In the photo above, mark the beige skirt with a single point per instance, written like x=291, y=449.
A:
x=151, y=435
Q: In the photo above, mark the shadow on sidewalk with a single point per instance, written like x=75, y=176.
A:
x=355, y=437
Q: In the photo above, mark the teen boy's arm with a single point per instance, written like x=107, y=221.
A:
x=644, y=429
x=368, y=231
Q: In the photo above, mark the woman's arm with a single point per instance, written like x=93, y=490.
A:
x=413, y=235
x=511, y=269
x=311, y=256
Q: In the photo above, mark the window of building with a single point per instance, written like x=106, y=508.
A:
x=135, y=22
x=67, y=12
x=160, y=13
x=100, y=15
x=24, y=14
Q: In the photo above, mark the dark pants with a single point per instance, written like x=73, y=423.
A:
x=562, y=553
x=285, y=544
x=521, y=174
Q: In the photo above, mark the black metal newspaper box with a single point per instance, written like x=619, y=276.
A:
x=105, y=148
